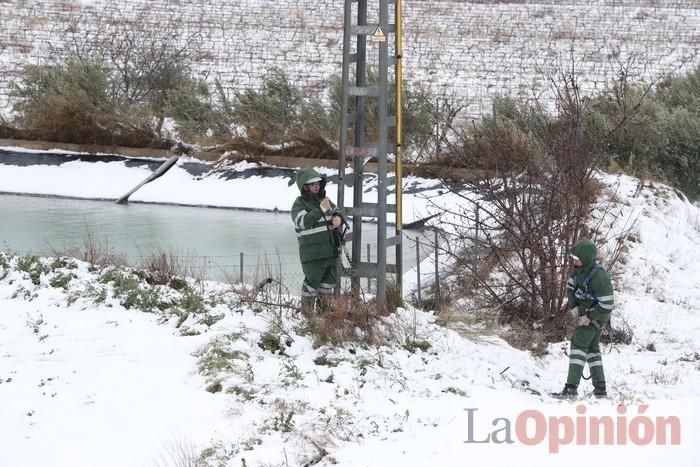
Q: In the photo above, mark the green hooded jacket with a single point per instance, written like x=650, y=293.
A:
x=597, y=299
x=310, y=223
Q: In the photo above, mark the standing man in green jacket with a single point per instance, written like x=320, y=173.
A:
x=315, y=223
x=590, y=296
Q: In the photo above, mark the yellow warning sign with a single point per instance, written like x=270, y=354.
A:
x=378, y=35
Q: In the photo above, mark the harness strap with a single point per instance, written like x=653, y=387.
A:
x=589, y=277
x=582, y=293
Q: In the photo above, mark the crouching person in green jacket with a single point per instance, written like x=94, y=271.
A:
x=590, y=296
x=314, y=225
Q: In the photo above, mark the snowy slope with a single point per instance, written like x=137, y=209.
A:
x=85, y=381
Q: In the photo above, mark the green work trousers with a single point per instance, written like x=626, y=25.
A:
x=319, y=280
x=585, y=348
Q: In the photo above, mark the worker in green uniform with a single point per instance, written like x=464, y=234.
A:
x=590, y=298
x=314, y=223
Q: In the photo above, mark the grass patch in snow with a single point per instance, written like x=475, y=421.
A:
x=217, y=360
x=132, y=292
x=32, y=266
x=418, y=344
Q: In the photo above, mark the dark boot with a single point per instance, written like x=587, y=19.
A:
x=569, y=392
x=599, y=392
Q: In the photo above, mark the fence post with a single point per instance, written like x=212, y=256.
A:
x=279, y=286
x=437, y=275
x=420, y=300
x=369, y=279
x=241, y=269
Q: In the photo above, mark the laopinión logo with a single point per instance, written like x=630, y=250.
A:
x=532, y=428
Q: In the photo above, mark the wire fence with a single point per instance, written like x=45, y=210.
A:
x=283, y=268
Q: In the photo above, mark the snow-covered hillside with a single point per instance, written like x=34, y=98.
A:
x=89, y=379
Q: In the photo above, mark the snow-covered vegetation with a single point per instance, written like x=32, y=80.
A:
x=102, y=366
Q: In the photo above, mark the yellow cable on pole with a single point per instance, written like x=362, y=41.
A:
x=399, y=121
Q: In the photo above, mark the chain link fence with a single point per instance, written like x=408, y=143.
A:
x=283, y=268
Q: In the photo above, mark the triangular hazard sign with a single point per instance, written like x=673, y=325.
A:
x=378, y=35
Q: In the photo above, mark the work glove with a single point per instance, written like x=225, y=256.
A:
x=581, y=294
x=574, y=312
x=583, y=320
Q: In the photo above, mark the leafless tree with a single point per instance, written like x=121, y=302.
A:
x=509, y=239
x=147, y=55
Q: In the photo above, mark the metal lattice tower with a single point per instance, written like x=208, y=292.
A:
x=365, y=130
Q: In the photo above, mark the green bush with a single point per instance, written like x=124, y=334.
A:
x=272, y=113
x=420, y=114
x=192, y=107
x=61, y=280
x=505, y=144
x=192, y=302
x=80, y=81
x=653, y=134
x=418, y=344
x=72, y=102
x=4, y=260
x=132, y=292
x=217, y=357
x=33, y=266
x=420, y=117
x=271, y=342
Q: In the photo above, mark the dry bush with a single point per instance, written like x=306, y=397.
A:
x=499, y=148
x=70, y=102
x=522, y=334
x=263, y=286
x=310, y=145
x=170, y=268
x=65, y=120
x=509, y=240
x=346, y=319
x=620, y=332
x=180, y=453
x=93, y=251
x=243, y=145
x=8, y=132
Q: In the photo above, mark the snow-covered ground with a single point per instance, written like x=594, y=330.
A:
x=85, y=381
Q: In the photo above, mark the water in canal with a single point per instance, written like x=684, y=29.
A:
x=209, y=240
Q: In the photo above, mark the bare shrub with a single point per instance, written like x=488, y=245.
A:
x=148, y=58
x=443, y=112
x=509, y=240
x=264, y=285
x=169, y=267
x=180, y=453
x=93, y=251
x=619, y=332
x=346, y=318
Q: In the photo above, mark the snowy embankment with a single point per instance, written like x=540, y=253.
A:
x=190, y=182
x=99, y=368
